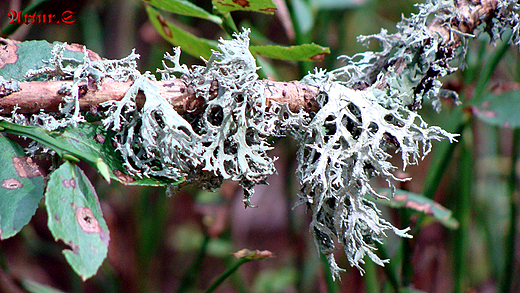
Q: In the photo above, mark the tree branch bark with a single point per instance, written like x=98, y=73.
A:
x=37, y=95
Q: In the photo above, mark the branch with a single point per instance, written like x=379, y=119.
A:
x=35, y=96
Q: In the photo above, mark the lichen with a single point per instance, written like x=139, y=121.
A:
x=367, y=115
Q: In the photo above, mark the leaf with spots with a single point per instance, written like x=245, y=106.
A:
x=75, y=217
x=305, y=52
x=418, y=203
x=30, y=55
x=95, y=141
x=184, y=7
x=21, y=188
x=500, y=110
x=87, y=142
x=264, y=6
x=191, y=44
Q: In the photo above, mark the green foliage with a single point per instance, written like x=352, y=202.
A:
x=31, y=56
x=75, y=217
x=420, y=204
x=226, y=6
x=183, y=7
x=35, y=287
x=21, y=188
x=500, y=110
x=200, y=47
x=306, y=52
x=193, y=45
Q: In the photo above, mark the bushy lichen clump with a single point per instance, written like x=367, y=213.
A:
x=367, y=112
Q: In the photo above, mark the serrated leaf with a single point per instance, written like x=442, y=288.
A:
x=419, y=203
x=263, y=6
x=191, y=44
x=305, y=52
x=75, y=217
x=20, y=57
x=21, y=188
x=500, y=110
x=183, y=7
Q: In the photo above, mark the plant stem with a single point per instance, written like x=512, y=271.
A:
x=389, y=268
x=406, y=248
x=488, y=70
x=463, y=214
x=442, y=156
x=189, y=277
x=511, y=235
x=371, y=279
x=230, y=270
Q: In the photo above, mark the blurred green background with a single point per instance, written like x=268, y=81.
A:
x=182, y=243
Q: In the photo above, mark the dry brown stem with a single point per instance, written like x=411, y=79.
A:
x=36, y=95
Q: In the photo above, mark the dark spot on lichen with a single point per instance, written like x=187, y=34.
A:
x=216, y=115
x=123, y=177
x=70, y=183
x=87, y=221
x=82, y=90
x=11, y=183
x=57, y=218
x=25, y=167
x=213, y=90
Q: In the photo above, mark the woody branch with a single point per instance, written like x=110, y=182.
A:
x=36, y=96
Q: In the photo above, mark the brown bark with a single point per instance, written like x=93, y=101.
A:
x=36, y=95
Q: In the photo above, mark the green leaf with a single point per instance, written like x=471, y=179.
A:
x=64, y=148
x=191, y=44
x=35, y=287
x=94, y=140
x=75, y=217
x=304, y=15
x=21, y=188
x=305, y=52
x=183, y=7
x=30, y=55
x=418, y=203
x=87, y=142
x=263, y=6
x=500, y=110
